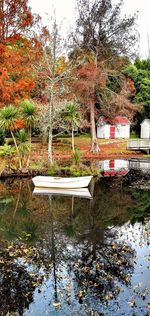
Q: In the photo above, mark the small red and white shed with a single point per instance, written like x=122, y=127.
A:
x=118, y=127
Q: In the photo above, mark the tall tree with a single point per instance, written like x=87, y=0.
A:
x=16, y=18
x=16, y=70
x=101, y=32
x=54, y=71
x=101, y=29
x=17, y=50
x=90, y=77
x=139, y=74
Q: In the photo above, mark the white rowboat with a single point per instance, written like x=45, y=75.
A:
x=82, y=192
x=63, y=183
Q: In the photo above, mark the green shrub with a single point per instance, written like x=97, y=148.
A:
x=95, y=169
x=7, y=151
x=22, y=135
x=38, y=165
x=76, y=157
x=80, y=171
x=53, y=169
x=134, y=134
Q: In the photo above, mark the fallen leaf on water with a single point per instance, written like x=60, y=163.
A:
x=57, y=305
x=132, y=303
x=86, y=269
x=26, y=251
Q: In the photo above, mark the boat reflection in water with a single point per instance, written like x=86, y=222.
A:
x=81, y=192
x=120, y=167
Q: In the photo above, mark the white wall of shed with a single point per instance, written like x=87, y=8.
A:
x=103, y=131
x=145, y=130
x=122, y=131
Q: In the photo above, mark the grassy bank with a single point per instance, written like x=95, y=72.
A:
x=85, y=162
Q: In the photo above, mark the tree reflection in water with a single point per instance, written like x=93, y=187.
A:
x=96, y=259
x=100, y=266
x=72, y=237
x=16, y=285
x=101, y=260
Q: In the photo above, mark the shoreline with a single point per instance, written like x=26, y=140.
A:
x=62, y=156
x=44, y=172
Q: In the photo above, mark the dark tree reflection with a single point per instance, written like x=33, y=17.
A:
x=98, y=269
x=16, y=285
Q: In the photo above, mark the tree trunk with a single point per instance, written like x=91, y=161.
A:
x=2, y=21
x=19, y=158
x=51, y=103
x=18, y=199
x=53, y=250
x=50, y=136
x=44, y=138
x=94, y=143
x=72, y=139
x=28, y=159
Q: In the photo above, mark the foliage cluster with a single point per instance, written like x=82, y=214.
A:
x=7, y=151
x=75, y=168
x=10, y=116
x=139, y=72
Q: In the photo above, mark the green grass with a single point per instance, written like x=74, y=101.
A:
x=134, y=135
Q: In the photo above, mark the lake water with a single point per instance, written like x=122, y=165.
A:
x=67, y=255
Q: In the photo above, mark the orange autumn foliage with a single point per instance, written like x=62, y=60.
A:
x=15, y=17
x=16, y=78
x=20, y=123
x=90, y=76
x=18, y=50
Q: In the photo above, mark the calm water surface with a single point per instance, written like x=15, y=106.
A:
x=66, y=255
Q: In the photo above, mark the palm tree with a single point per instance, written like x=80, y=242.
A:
x=23, y=145
x=8, y=119
x=72, y=116
x=29, y=115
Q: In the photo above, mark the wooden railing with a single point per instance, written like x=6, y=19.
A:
x=138, y=144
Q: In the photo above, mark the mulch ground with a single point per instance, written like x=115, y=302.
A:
x=108, y=149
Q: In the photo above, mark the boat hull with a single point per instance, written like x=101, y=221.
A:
x=82, y=192
x=63, y=183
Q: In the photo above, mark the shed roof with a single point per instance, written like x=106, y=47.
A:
x=146, y=121
x=122, y=120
